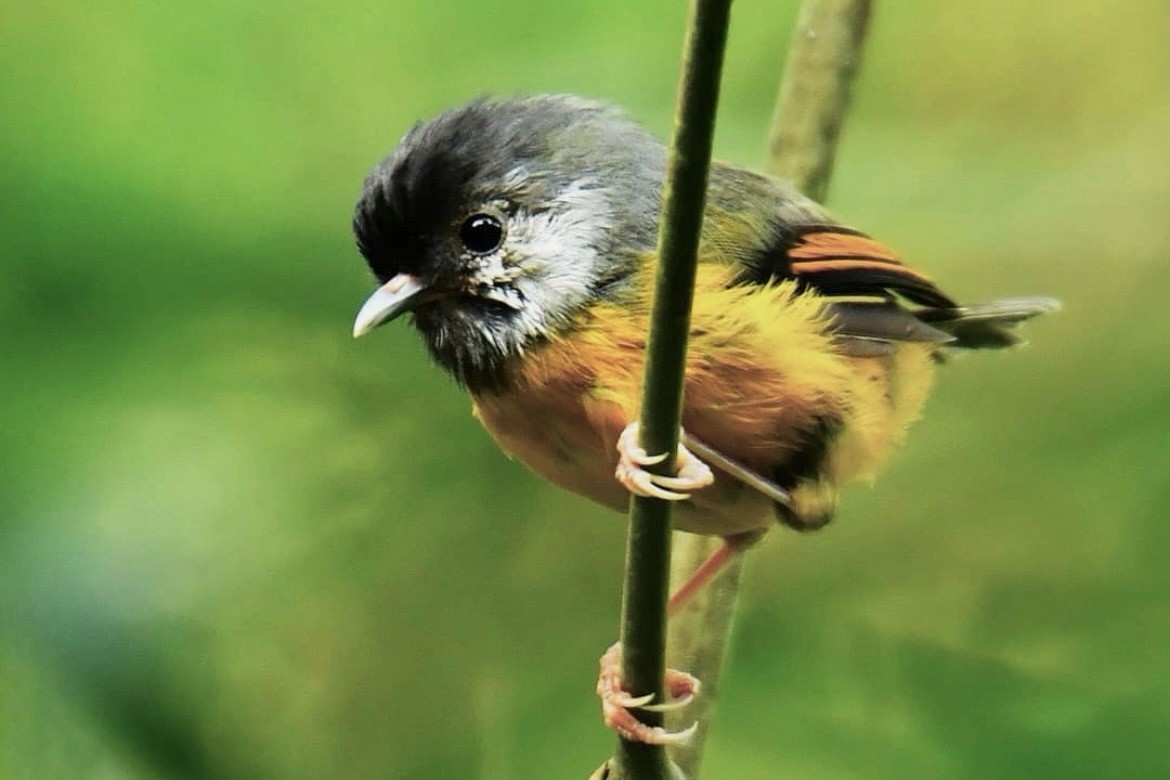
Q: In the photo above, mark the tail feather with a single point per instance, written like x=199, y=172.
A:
x=987, y=325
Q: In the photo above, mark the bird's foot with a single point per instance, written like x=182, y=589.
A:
x=616, y=702
x=692, y=473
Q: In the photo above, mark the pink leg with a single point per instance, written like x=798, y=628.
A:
x=692, y=474
x=703, y=576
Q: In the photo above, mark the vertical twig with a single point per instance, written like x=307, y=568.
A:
x=698, y=637
x=822, y=61
x=818, y=80
x=643, y=633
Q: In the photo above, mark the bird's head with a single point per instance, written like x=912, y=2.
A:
x=497, y=225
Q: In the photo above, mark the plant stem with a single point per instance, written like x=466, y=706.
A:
x=822, y=62
x=697, y=639
x=823, y=59
x=643, y=632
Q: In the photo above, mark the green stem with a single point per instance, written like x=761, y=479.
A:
x=697, y=639
x=643, y=633
x=814, y=96
x=822, y=62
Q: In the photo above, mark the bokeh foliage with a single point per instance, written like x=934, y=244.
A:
x=234, y=542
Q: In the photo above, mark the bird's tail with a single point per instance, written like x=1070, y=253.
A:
x=987, y=325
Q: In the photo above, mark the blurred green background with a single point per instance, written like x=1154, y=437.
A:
x=236, y=543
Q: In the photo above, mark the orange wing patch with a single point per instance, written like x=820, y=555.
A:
x=815, y=246
x=839, y=261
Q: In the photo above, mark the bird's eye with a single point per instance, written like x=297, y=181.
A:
x=481, y=234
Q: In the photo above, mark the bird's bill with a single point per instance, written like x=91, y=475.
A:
x=395, y=297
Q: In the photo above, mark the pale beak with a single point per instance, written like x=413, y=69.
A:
x=395, y=297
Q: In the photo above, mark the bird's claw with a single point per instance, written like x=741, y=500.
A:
x=692, y=473
x=616, y=703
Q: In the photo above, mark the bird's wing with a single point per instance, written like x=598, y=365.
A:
x=840, y=261
x=872, y=328
x=863, y=278
x=988, y=324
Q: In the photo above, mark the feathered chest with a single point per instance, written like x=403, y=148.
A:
x=762, y=372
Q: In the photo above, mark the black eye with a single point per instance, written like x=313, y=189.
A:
x=481, y=234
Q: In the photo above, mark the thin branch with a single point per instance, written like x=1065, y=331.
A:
x=814, y=95
x=822, y=61
x=697, y=639
x=643, y=633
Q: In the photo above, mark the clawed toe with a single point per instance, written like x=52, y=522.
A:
x=616, y=703
x=620, y=698
x=682, y=688
x=636, y=454
x=643, y=483
x=692, y=472
x=656, y=735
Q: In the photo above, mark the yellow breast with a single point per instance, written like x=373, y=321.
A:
x=761, y=373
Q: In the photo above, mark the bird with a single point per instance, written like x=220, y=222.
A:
x=519, y=234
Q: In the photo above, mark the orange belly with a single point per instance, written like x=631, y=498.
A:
x=761, y=374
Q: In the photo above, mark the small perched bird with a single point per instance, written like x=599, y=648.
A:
x=520, y=235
